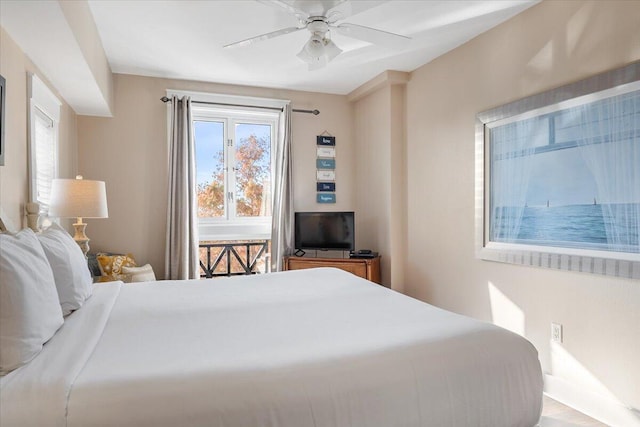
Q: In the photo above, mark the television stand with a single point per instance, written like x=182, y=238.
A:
x=367, y=268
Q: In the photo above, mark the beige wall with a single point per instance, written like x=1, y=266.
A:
x=14, y=182
x=380, y=172
x=129, y=152
x=373, y=129
x=551, y=44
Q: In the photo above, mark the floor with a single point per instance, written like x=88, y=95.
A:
x=555, y=414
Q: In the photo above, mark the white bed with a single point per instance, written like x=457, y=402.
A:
x=303, y=348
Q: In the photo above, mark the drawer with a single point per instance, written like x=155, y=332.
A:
x=366, y=268
x=357, y=269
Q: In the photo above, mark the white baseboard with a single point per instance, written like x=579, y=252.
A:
x=601, y=408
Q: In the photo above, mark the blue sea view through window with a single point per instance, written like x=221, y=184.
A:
x=570, y=177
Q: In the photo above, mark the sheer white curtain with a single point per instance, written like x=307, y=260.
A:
x=610, y=147
x=282, y=219
x=181, y=259
x=512, y=152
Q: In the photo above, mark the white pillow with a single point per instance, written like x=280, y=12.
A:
x=30, y=311
x=139, y=274
x=69, y=266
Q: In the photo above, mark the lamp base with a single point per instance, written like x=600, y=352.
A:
x=33, y=215
x=81, y=239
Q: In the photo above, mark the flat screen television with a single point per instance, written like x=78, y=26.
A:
x=325, y=231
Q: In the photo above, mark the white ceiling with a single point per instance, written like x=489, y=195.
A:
x=185, y=39
x=42, y=32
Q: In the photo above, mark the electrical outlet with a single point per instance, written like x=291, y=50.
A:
x=556, y=332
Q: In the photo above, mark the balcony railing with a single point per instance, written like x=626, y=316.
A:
x=233, y=258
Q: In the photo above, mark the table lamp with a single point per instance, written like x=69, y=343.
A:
x=78, y=198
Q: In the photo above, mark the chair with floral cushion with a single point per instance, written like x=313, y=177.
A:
x=108, y=267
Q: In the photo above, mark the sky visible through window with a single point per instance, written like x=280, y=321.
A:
x=209, y=138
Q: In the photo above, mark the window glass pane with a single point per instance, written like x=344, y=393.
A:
x=253, y=169
x=45, y=154
x=209, y=142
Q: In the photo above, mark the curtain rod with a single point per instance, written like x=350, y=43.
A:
x=295, y=110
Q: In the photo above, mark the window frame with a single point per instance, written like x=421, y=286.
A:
x=41, y=101
x=244, y=230
x=232, y=225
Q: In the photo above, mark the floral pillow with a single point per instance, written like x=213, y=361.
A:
x=111, y=266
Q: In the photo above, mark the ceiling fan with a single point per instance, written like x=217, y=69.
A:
x=320, y=18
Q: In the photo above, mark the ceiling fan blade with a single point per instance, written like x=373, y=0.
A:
x=300, y=14
x=307, y=7
x=344, y=9
x=372, y=35
x=266, y=36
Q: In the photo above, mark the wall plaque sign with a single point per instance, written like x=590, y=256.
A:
x=326, y=140
x=326, y=198
x=325, y=163
x=326, y=175
x=326, y=152
x=326, y=186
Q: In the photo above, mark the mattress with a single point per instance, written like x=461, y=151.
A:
x=312, y=348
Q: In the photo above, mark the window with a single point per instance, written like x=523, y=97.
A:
x=44, y=116
x=234, y=159
x=45, y=130
x=236, y=140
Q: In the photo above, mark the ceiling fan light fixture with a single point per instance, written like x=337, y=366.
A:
x=316, y=65
x=318, y=51
x=313, y=50
x=315, y=46
x=331, y=50
x=304, y=54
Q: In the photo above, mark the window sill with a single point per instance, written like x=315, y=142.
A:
x=226, y=231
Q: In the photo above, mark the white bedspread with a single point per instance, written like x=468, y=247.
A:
x=304, y=348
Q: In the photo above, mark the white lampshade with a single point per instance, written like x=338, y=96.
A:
x=80, y=198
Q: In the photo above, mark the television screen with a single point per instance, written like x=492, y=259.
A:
x=325, y=230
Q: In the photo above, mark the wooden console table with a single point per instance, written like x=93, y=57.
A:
x=367, y=268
